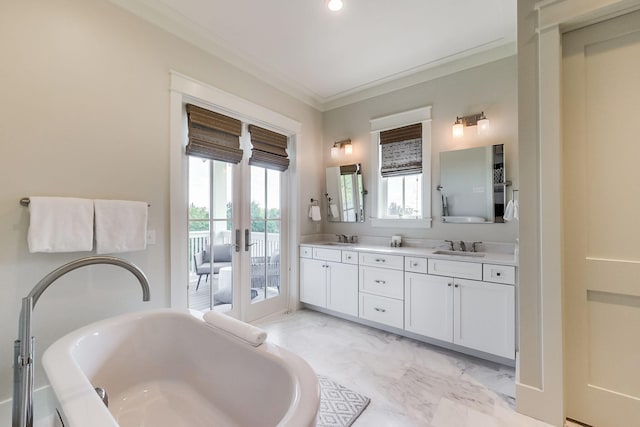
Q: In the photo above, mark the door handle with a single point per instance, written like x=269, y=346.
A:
x=236, y=245
x=247, y=245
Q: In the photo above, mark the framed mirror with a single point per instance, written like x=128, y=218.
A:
x=472, y=185
x=345, y=193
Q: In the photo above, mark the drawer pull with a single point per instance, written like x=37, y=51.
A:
x=449, y=284
x=349, y=257
x=380, y=260
x=457, y=285
x=414, y=264
x=380, y=282
x=381, y=310
x=498, y=273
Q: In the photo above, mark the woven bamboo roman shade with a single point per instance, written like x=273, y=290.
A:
x=401, y=151
x=213, y=136
x=269, y=149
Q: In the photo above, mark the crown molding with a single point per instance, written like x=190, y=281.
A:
x=431, y=71
x=180, y=26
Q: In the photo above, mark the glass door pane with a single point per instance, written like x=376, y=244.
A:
x=265, y=234
x=210, y=235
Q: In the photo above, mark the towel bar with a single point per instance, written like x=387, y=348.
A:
x=25, y=202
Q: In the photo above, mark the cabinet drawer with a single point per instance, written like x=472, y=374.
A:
x=382, y=281
x=395, y=262
x=415, y=265
x=306, y=252
x=327, y=254
x=499, y=274
x=382, y=310
x=350, y=257
x=464, y=270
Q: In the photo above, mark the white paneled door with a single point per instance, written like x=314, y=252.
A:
x=601, y=166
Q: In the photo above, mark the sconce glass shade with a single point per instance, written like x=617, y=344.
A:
x=334, y=152
x=458, y=129
x=334, y=5
x=348, y=149
x=483, y=125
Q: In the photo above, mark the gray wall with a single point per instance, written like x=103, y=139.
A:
x=491, y=88
x=84, y=112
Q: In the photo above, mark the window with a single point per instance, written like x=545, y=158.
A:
x=404, y=196
x=402, y=182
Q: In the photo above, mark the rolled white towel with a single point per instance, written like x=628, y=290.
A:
x=246, y=332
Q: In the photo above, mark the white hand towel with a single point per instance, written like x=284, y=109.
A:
x=334, y=210
x=314, y=213
x=121, y=226
x=60, y=224
x=246, y=332
x=516, y=210
x=508, y=211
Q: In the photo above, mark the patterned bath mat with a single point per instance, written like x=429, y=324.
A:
x=339, y=406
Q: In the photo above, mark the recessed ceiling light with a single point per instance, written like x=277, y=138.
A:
x=334, y=5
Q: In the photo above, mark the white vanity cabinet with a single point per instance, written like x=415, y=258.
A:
x=428, y=306
x=471, y=313
x=381, y=287
x=463, y=304
x=484, y=316
x=329, y=284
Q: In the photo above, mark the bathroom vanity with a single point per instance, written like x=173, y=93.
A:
x=463, y=301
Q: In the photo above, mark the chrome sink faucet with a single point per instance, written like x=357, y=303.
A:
x=450, y=242
x=23, y=369
x=463, y=247
x=474, y=246
x=343, y=238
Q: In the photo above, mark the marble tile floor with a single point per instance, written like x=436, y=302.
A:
x=410, y=383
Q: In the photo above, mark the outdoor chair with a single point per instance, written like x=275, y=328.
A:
x=202, y=261
x=202, y=268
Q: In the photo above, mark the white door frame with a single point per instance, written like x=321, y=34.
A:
x=544, y=399
x=187, y=90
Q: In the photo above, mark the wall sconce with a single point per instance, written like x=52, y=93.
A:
x=345, y=143
x=479, y=120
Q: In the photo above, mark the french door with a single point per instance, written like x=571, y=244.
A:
x=237, y=237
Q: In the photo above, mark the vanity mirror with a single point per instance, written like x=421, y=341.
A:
x=472, y=185
x=345, y=194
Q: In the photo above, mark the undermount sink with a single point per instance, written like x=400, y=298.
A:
x=459, y=253
x=337, y=244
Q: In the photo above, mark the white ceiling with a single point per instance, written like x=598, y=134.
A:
x=322, y=56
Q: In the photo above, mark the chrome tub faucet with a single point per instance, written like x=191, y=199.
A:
x=23, y=369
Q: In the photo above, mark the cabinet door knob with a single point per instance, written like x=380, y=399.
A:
x=457, y=285
x=449, y=284
x=381, y=310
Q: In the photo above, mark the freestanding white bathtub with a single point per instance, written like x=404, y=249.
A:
x=170, y=368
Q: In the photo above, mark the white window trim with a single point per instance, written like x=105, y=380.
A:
x=183, y=90
x=419, y=115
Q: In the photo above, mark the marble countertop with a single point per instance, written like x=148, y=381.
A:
x=486, y=257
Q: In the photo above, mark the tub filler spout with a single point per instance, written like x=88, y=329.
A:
x=23, y=369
